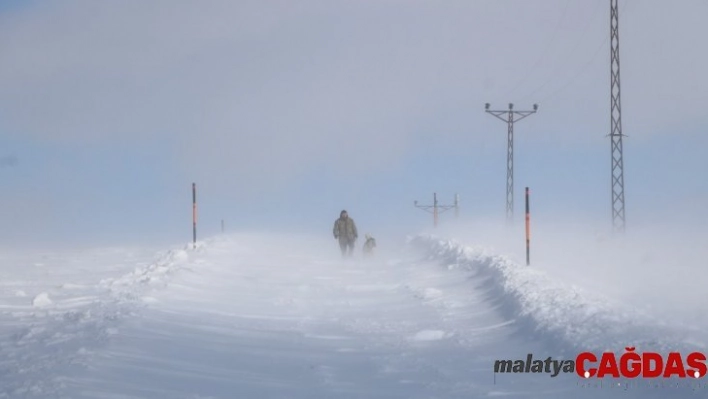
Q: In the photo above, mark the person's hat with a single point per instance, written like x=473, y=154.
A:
x=342, y=212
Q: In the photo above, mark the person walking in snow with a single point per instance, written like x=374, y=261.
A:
x=345, y=231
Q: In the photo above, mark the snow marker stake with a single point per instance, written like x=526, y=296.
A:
x=194, y=215
x=528, y=228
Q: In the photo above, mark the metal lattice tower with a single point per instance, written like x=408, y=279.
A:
x=618, y=220
x=510, y=116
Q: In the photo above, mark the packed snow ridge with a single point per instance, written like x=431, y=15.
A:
x=552, y=309
x=281, y=316
x=52, y=334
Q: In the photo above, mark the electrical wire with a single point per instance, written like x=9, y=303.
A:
x=584, y=68
x=559, y=66
x=580, y=72
x=542, y=54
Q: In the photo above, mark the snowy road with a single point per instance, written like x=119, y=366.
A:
x=278, y=317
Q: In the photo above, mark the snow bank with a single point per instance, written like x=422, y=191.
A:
x=551, y=310
x=61, y=332
x=429, y=335
x=41, y=300
x=131, y=285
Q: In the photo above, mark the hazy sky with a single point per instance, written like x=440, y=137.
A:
x=286, y=112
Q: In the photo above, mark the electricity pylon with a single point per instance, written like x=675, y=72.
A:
x=510, y=117
x=618, y=220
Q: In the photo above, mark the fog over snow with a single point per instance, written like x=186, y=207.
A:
x=284, y=113
x=274, y=315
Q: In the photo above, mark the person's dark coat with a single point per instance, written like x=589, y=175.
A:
x=345, y=229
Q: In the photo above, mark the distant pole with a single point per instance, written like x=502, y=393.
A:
x=528, y=229
x=457, y=206
x=222, y=226
x=194, y=215
x=435, y=209
x=510, y=117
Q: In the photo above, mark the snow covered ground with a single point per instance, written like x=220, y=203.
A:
x=280, y=316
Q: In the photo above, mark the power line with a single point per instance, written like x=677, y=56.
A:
x=583, y=69
x=580, y=72
x=543, y=53
x=560, y=66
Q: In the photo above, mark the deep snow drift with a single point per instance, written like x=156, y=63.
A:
x=266, y=315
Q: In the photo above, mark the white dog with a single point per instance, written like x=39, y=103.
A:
x=369, y=245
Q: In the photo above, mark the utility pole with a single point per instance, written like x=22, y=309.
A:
x=436, y=209
x=194, y=215
x=618, y=220
x=510, y=117
x=457, y=206
x=528, y=229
